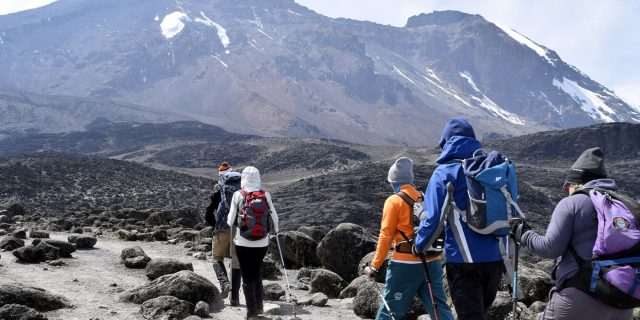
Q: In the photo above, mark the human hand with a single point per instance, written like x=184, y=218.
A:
x=517, y=229
x=370, y=271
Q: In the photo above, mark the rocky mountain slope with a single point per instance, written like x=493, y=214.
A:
x=276, y=68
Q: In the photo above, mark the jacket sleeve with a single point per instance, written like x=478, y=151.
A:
x=387, y=232
x=274, y=214
x=233, y=211
x=216, y=197
x=433, y=203
x=556, y=240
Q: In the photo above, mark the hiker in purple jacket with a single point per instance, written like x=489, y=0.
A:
x=573, y=225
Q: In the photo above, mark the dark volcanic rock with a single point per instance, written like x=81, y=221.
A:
x=298, y=249
x=269, y=269
x=166, y=307
x=134, y=258
x=201, y=309
x=327, y=282
x=38, y=234
x=139, y=262
x=343, y=247
x=66, y=248
x=382, y=271
x=11, y=243
x=314, y=232
x=273, y=291
x=20, y=234
x=19, y=312
x=358, y=283
x=162, y=266
x=38, y=253
x=126, y=235
x=367, y=300
x=83, y=242
x=32, y=297
x=132, y=253
x=185, y=285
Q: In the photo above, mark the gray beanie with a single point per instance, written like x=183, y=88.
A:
x=401, y=171
x=589, y=166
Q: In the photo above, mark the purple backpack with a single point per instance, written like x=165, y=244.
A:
x=613, y=275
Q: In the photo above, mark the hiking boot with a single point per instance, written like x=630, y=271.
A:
x=221, y=274
x=259, y=294
x=235, y=287
x=250, y=299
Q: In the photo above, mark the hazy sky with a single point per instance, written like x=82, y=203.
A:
x=601, y=38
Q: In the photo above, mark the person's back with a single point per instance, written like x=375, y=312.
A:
x=474, y=260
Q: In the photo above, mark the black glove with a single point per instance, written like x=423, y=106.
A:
x=517, y=229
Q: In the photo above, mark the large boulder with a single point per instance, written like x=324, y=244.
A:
x=134, y=258
x=314, y=232
x=185, y=285
x=382, y=271
x=534, y=283
x=38, y=253
x=19, y=312
x=327, y=282
x=126, y=235
x=83, y=242
x=38, y=234
x=66, y=248
x=367, y=300
x=13, y=208
x=132, y=252
x=501, y=307
x=356, y=285
x=269, y=269
x=166, y=307
x=32, y=297
x=298, y=249
x=343, y=247
x=11, y=243
x=163, y=266
x=188, y=235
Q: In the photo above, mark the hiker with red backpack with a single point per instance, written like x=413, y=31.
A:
x=407, y=274
x=216, y=216
x=594, y=231
x=251, y=215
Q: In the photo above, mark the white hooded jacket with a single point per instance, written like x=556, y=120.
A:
x=250, y=182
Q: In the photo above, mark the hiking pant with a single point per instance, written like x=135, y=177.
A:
x=571, y=303
x=473, y=287
x=404, y=281
x=250, y=267
x=220, y=245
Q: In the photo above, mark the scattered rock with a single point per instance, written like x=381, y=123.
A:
x=367, y=302
x=356, y=285
x=160, y=235
x=314, y=232
x=83, y=242
x=271, y=309
x=132, y=252
x=166, y=307
x=187, y=235
x=535, y=284
x=539, y=306
x=188, y=244
x=163, y=266
x=201, y=309
x=66, y=249
x=125, y=235
x=159, y=218
x=298, y=249
x=501, y=306
x=200, y=256
x=185, y=285
x=38, y=234
x=343, y=247
x=327, y=282
x=38, y=253
x=203, y=248
x=32, y=297
x=5, y=219
x=19, y=312
x=139, y=262
x=273, y=291
x=20, y=234
x=11, y=243
x=319, y=299
x=269, y=269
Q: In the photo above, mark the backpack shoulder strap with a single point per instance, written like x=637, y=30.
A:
x=406, y=198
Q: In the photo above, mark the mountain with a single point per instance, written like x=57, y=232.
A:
x=276, y=68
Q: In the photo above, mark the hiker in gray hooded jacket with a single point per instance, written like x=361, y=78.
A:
x=573, y=225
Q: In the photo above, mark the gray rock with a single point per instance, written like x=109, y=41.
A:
x=19, y=312
x=273, y=291
x=356, y=285
x=5, y=219
x=269, y=269
x=201, y=309
x=56, y=263
x=203, y=248
x=319, y=299
x=32, y=297
x=66, y=249
x=166, y=307
x=20, y=234
x=38, y=234
x=314, y=232
x=298, y=249
x=206, y=233
x=185, y=285
x=343, y=247
x=139, y=262
x=158, y=218
x=187, y=235
x=162, y=266
x=83, y=242
x=535, y=283
x=194, y=317
x=501, y=307
x=327, y=282
x=367, y=301
x=160, y=235
x=125, y=235
x=207, y=241
x=133, y=252
x=11, y=243
x=539, y=306
x=38, y=253
x=200, y=256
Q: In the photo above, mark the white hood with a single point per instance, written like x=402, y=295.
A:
x=251, y=179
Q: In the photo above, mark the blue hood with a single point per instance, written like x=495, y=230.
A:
x=606, y=184
x=458, y=147
x=456, y=127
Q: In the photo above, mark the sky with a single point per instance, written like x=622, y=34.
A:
x=601, y=38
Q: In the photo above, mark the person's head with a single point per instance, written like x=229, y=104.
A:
x=224, y=168
x=250, y=179
x=456, y=127
x=588, y=167
x=401, y=172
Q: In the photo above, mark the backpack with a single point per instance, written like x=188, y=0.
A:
x=492, y=193
x=613, y=274
x=253, y=218
x=229, y=184
x=437, y=245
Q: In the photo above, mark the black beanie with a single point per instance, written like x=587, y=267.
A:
x=589, y=166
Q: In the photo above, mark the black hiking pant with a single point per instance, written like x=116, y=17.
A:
x=250, y=260
x=473, y=287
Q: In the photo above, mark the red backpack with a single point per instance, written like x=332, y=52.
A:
x=253, y=219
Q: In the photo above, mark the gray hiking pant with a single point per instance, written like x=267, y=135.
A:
x=573, y=304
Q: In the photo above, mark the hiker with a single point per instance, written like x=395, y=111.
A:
x=251, y=214
x=405, y=273
x=474, y=261
x=216, y=216
x=571, y=236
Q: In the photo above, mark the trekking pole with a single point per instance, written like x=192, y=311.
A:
x=426, y=272
x=516, y=314
x=384, y=302
x=286, y=277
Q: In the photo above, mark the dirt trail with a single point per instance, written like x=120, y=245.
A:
x=87, y=278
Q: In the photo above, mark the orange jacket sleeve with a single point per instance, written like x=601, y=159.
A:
x=387, y=233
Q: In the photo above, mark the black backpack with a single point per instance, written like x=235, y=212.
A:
x=229, y=184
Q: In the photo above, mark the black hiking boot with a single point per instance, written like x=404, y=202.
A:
x=235, y=287
x=250, y=300
x=221, y=274
x=259, y=293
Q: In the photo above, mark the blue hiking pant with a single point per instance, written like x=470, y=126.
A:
x=404, y=281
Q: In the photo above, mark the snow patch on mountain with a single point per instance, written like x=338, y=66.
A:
x=488, y=104
x=23, y=5
x=591, y=102
x=173, y=23
x=222, y=32
x=403, y=75
x=527, y=42
x=293, y=12
x=431, y=76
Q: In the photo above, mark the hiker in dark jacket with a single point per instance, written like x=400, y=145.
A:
x=474, y=261
x=221, y=242
x=573, y=225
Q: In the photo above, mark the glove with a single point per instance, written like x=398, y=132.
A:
x=517, y=230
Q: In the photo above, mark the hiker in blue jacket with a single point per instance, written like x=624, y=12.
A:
x=474, y=261
x=573, y=226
